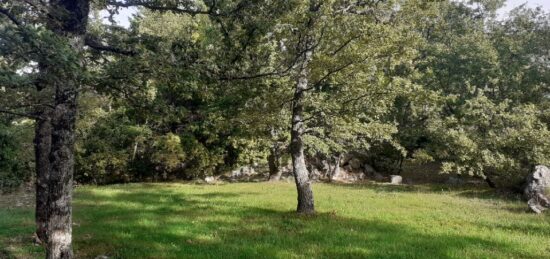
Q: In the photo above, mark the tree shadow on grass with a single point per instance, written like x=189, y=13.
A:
x=466, y=190
x=5, y=254
x=522, y=227
x=165, y=224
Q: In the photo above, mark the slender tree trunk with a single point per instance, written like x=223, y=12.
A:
x=301, y=174
x=490, y=182
x=336, y=169
x=274, y=162
x=42, y=142
x=72, y=18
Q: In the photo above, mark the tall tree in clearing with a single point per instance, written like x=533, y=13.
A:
x=321, y=46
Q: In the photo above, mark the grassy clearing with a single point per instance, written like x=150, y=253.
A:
x=256, y=220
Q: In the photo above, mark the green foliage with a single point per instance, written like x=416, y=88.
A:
x=489, y=139
x=168, y=152
x=104, y=153
x=430, y=81
x=479, y=107
x=16, y=158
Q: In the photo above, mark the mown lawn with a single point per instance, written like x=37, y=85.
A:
x=256, y=220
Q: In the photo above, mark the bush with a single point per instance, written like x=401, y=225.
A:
x=16, y=157
x=496, y=140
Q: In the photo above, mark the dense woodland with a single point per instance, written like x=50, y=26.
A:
x=200, y=88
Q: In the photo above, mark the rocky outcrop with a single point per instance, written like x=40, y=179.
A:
x=396, y=179
x=338, y=168
x=537, y=190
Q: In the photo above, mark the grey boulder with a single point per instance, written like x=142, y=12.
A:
x=537, y=190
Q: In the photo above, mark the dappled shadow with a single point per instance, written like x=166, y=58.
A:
x=466, y=190
x=486, y=193
x=521, y=227
x=159, y=224
x=5, y=254
x=222, y=194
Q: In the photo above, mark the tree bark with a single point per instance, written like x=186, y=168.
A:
x=490, y=182
x=61, y=175
x=274, y=162
x=301, y=174
x=42, y=142
x=70, y=21
x=336, y=170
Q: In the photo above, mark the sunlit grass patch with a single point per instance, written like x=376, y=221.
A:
x=257, y=220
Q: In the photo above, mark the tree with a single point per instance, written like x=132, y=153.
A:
x=54, y=35
x=317, y=47
x=477, y=76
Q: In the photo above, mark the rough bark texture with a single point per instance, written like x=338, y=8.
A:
x=301, y=174
x=61, y=175
x=72, y=18
x=42, y=142
x=537, y=190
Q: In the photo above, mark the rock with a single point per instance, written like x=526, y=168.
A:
x=210, y=179
x=315, y=174
x=343, y=174
x=101, y=257
x=453, y=180
x=369, y=170
x=537, y=190
x=36, y=241
x=378, y=177
x=396, y=179
x=243, y=171
x=354, y=164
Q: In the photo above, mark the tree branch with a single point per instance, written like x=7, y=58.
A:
x=329, y=74
x=95, y=44
x=160, y=7
x=19, y=114
x=10, y=16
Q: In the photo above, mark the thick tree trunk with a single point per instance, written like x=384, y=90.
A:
x=42, y=142
x=301, y=174
x=61, y=174
x=72, y=18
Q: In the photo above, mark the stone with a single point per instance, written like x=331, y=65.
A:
x=453, y=180
x=396, y=179
x=537, y=190
x=378, y=177
x=210, y=179
x=368, y=169
x=354, y=164
x=314, y=174
x=243, y=171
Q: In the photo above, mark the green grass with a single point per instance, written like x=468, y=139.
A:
x=256, y=220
